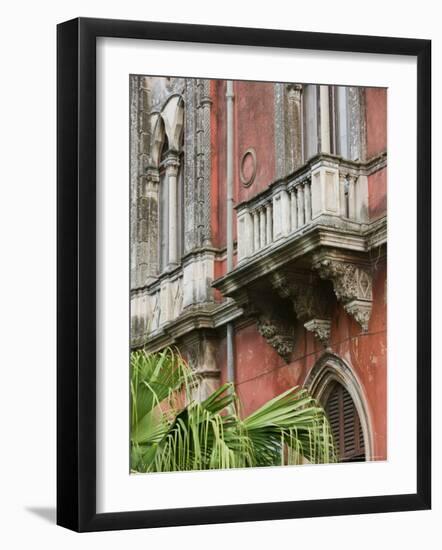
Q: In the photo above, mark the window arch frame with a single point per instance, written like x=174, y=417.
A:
x=329, y=369
x=167, y=127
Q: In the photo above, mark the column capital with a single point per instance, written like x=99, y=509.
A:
x=172, y=162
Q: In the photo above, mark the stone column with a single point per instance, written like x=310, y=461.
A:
x=172, y=165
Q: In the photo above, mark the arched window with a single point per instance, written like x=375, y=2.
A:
x=171, y=192
x=345, y=424
x=333, y=383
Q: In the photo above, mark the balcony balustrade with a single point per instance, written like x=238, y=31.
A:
x=327, y=191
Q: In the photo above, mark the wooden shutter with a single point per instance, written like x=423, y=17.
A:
x=345, y=424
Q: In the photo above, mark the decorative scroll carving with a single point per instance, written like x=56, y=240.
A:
x=360, y=311
x=352, y=285
x=278, y=334
x=321, y=328
x=310, y=302
x=273, y=322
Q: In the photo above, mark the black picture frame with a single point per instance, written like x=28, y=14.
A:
x=76, y=274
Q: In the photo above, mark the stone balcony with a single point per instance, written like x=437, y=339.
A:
x=306, y=241
x=327, y=191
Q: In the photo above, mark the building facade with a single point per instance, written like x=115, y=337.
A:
x=258, y=242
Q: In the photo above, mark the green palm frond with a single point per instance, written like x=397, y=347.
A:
x=172, y=432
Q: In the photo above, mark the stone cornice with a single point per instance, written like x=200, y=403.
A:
x=300, y=244
x=285, y=251
x=210, y=316
x=154, y=286
x=377, y=233
x=177, y=271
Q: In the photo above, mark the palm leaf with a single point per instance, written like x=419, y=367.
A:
x=172, y=432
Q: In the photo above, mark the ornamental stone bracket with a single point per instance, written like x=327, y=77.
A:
x=310, y=299
x=279, y=334
x=272, y=321
x=352, y=284
x=321, y=328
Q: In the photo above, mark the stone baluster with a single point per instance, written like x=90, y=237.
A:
x=301, y=218
x=343, y=195
x=307, y=201
x=262, y=226
x=269, y=223
x=352, y=197
x=256, y=234
x=293, y=210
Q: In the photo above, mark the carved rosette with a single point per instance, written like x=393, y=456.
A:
x=278, y=334
x=352, y=285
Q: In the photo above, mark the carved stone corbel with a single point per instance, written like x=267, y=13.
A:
x=352, y=285
x=321, y=328
x=310, y=302
x=274, y=326
x=278, y=334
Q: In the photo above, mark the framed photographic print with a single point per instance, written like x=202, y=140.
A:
x=243, y=274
